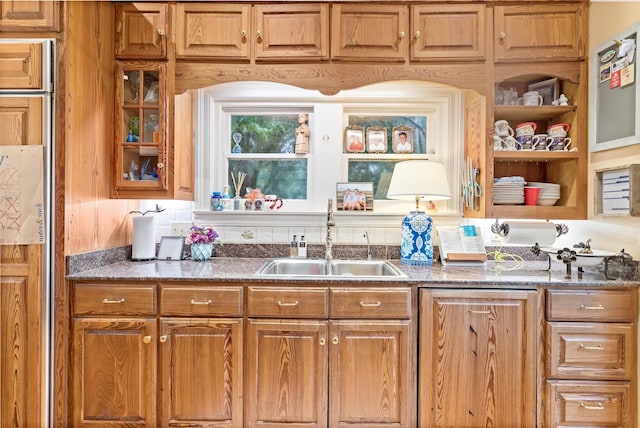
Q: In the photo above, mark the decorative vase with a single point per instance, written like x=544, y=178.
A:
x=417, y=239
x=201, y=251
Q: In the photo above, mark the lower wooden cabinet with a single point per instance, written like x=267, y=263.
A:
x=477, y=358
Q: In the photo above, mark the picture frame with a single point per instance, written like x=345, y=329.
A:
x=354, y=139
x=549, y=90
x=171, y=248
x=354, y=196
x=402, y=139
x=376, y=139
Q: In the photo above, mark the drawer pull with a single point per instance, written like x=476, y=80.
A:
x=598, y=347
x=112, y=301
x=146, y=339
x=479, y=312
x=200, y=302
x=592, y=308
x=370, y=305
x=596, y=406
x=281, y=303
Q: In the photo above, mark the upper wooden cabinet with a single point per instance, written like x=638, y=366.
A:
x=264, y=32
x=21, y=66
x=141, y=30
x=369, y=32
x=448, y=32
x=27, y=16
x=539, y=32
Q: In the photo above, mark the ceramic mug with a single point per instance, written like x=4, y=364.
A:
x=526, y=128
x=532, y=98
x=540, y=142
x=526, y=142
x=498, y=143
x=274, y=202
x=557, y=144
x=511, y=144
x=558, y=130
x=502, y=128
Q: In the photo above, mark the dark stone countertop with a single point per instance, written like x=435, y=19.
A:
x=242, y=270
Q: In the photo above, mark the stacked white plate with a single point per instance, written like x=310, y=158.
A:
x=508, y=192
x=549, y=192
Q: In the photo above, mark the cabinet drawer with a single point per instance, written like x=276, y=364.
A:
x=114, y=299
x=590, y=350
x=201, y=301
x=371, y=303
x=590, y=305
x=583, y=404
x=285, y=302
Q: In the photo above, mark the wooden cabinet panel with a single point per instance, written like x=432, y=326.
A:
x=26, y=16
x=220, y=31
x=576, y=404
x=369, y=32
x=292, y=31
x=141, y=30
x=443, y=32
x=21, y=66
x=20, y=120
x=114, y=372
x=287, y=370
x=539, y=32
x=114, y=299
x=377, y=303
x=590, y=351
x=591, y=305
x=370, y=379
x=201, y=372
x=190, y=301
x=477, y=358
x=288, y=302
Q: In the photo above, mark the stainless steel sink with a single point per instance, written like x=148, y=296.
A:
x=319, y=267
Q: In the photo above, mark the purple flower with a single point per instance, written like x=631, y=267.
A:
x=201, y=234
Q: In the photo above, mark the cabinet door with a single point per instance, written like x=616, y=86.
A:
x=286, y=374
x=26, y=16
x=539, y=33
x=369, y=32
x=477, y=358
x=114, y=372
x=21, y=66
x=448, y=32
x=219, y=31
x=292, y=32
x=141, y=151
x=371, y=372
x=201, y=372
x=141, y=30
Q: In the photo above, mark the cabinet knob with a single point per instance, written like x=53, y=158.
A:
x=335, y=340
x=322, y=341
x=401, y=35
x=163, y=338
x=160, y=165
x=502, y=35
x=161, y=32
x=416, y=34
x=146, y=339
x=259, y=35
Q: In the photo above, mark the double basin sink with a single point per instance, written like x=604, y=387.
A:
x=330, y=268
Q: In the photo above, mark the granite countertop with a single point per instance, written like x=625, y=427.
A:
x=222, y=269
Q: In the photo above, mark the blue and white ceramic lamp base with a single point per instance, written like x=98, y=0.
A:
x=416, y=248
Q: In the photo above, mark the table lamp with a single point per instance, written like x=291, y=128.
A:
x=415, y=180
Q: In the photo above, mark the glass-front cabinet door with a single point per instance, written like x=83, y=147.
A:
x=140, y=127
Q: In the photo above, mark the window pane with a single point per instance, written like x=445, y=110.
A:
x=264, y=133
x=379, y=172
x=285, y=178
x=418, y=123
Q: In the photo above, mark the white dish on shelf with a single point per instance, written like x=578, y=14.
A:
x=582, y=259
x=547, y=201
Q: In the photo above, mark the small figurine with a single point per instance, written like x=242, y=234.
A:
x=302, y=135
x=561, y=101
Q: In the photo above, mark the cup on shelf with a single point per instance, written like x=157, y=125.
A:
x=532, y=98
x=498, y=143
x=526, y=142
x=531, y=195
x=511, y=96
x=526, y=128
x=557, y=144
x=558, y=130
x=502, y=129
x=511, y=144
x=540, y=142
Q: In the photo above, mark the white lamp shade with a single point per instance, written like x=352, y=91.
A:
x=419, y=179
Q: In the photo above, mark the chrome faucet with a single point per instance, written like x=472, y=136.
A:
x=328, y=253
x=366, y=235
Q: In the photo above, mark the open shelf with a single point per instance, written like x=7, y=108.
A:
x=533, y=155
x=530, y=113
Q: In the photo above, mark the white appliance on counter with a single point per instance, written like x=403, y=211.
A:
x=30, y=103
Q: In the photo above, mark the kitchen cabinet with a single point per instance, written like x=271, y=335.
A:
x=591, y=357
x=21, y=66
x=29, y=16
x=477, y=358
x=371, y=32
x=144, y=361
x=539, y=32
x=337, y=356
x=433, y=40
x=262, y=32
x=141, y=30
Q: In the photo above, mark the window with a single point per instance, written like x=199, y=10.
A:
x=250, y=127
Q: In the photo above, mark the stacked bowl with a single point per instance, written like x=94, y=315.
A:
x=549, y=192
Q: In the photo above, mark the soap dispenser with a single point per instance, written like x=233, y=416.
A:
x=293, y=247
x=302, y=248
